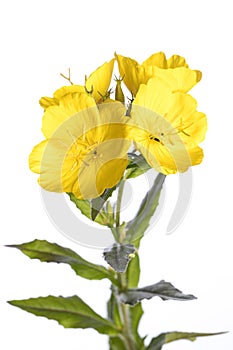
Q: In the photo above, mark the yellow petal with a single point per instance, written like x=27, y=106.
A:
x=157, y=59
x=176, y=61
x=185, y=119
x=196, y=155
x=98, y=82
x=102, y=168
x=46, y=102
x=158, y=110
x=154, y=95
x=35, y=157
x=46, y=159
x=179, y=79
x=58, y=94
x=69, y=105
x=132, y=73
x=169, y=159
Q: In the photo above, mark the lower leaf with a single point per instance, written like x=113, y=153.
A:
x=164, y=338
x=136, y=313
x=71, y=312
x=115, y=343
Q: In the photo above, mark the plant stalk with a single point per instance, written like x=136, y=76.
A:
x=126, y=335
x=119, y=200
x=125, y=316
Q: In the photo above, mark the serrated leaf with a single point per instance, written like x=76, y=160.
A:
x=164, y=338
x=71, y=312
x=98, y=203
x=118, y=256
x=137, y=166
x=136, y=228
x=162, y=289
x=52, y=252
x=85, y=206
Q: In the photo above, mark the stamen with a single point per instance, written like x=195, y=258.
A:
x=152, y=137
x=85, y=163
x=72, y=136
x=62, y=143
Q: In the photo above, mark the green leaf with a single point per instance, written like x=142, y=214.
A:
x=51, y=252
x=116, y=343
x=162, y=289
x=71, y=312
x=164, y=338
x=82, y=204
x=98, y=203
x=136, y=313
x=137, y=166
x=85, y=206
x=113, y=310
x=133, y=270
x=136, y=228
x=118, y=256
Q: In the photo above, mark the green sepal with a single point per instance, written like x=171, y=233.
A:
x=137, y=166
x=164, y=338
x=71, y=312
x=136, y=228
x=52, y=252
x=98, y=203
x=162, y=289
x=118, y=256
x=85, y=206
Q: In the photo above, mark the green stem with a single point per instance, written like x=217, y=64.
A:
x=119, y=200
x=125, y=316
x=122, y=277
x=128, y=340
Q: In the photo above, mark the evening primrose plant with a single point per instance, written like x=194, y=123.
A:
x=96, y=138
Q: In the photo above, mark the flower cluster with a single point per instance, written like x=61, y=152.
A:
x=88, y=134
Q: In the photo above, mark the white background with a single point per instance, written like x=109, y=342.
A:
x=40, y=39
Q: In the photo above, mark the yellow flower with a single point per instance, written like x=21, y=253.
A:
x=99, y=80
x=68, y=105
x=175, y=70
x=85, y=152
x=167, y=128
x=96, y=85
